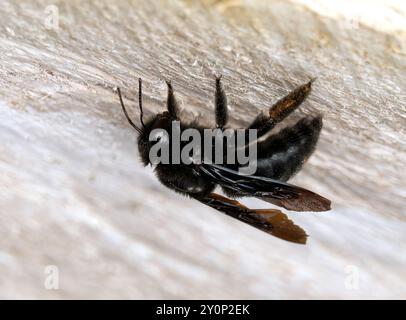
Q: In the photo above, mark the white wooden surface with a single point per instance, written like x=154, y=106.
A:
x=73, y=194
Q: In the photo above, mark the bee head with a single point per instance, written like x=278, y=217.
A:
x=157, y=129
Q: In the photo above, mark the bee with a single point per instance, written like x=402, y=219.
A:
x=279, y=157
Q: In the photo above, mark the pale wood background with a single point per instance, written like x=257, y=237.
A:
x=73, y=194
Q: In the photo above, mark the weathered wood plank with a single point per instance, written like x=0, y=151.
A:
x=73, y=194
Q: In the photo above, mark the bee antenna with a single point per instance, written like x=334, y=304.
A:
x=140, y=101
x=125, y=112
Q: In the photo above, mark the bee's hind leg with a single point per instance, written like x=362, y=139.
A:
x=281, y=109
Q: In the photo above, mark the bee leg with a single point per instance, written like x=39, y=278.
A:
x=281, y=109
x=220, y=101
x=171, y=102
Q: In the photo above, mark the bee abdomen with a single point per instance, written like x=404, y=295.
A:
x=282, y=155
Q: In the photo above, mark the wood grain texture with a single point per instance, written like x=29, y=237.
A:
x=73, y=194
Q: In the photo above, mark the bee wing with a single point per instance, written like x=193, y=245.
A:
x=276, y=192
x=271, y=221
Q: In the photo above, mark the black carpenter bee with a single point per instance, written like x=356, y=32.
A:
x=279, y=157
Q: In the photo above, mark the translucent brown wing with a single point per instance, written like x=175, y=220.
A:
x=271, y=221
x=276, y=192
